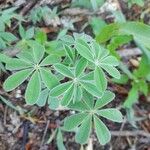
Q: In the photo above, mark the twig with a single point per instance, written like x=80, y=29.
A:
x=45, y=131
x=131, y=133
x=25, y=134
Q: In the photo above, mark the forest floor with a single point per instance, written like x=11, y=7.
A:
x=31, y=132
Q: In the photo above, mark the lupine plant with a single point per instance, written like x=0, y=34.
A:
x=76, y=79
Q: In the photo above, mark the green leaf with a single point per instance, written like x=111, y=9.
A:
x=53, y=103
x=60, y=144
x=97, y=24
x=78, y=106
x=87, y=77
x=111, y=114
x=77, y=93
x=74, y=121
x=16, y=79
x=80, y=67
x=48, y=78
x=91, y=88
x=84, y=131
x=100, y=79
x=30, y=33
x=9, y=37
x=17, y=64
x=88, y=99
x=84, y=51
x=41, y=37
x=63, y=70
x=107, y=33
x=110, y=60
x=22, y=31
x=60, y=89
x=37, y=50
x=102, y=131
x=42, y=98
x=111, y=70
x=69, y=52
x=132, y=97
x=49, y=60
x=105, y=99
x=33, y=89
x=143, y=85
x=4, y=58
x=67, y=96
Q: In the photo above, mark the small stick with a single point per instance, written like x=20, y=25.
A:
x=45, y=131
x=131, y=133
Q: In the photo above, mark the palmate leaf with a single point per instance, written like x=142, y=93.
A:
x=48, y=78
x=69, y=52
x=50, y=59
x=77, y=93
x=37, y=50
x=84, y=51
x=63, y=70
x=91, y=88
x=33, y=89
x=84, y=131
x=17, y=64
x=60, y=89
x=105, y=99
x=102, y=131
x=100, y=79
x=74, y=121
x=16, y=79
x=42, y=98
x=111, y=70
x=80, y=67
x=111, y=114
x=67, y=96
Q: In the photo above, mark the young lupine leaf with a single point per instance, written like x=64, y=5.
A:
x=69, y=52
x=91, y=88
x=60, y=144
x=42, y=98
x=48, y=78
x=78, y=106
x=111, y=70
x=60, y=89
x=103, y=53
x=87, y=77
x=17, y=64
x=102, y=131
x=67, y=96
x=100, y=79
x=50, y=59
x=9, y=37
x=88, y=99
x=84, y=131
x=22, y=31
x=77, y=93
x=74, y=121
x=30, y=33
x=84, y=51
x=53, y=103
x=105, y=99
x=63, y=70
x=4, y=58
x=111, y=114
x=16, y=79
x=26, y=56
x=33, y=89
x=38, y=51
x=110, y=60
x=80, y=67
